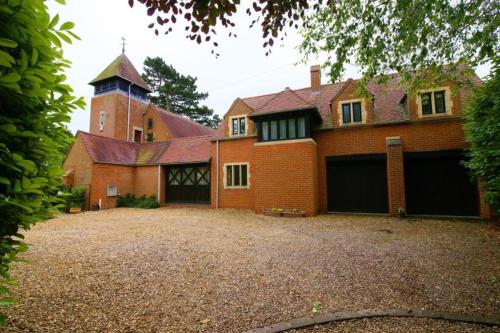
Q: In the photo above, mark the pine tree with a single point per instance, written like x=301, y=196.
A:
x=177, y=93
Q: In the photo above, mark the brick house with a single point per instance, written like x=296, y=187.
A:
x=318, y=149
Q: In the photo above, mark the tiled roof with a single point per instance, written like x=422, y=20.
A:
x=114, y=151
x=122, y=67
x=287, y=100
x=181, y=127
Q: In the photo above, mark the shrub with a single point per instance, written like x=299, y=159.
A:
x=75, y=198
x=130, y=200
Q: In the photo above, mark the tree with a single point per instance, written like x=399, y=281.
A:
x=35, y=104
x=414, y=38
x=483, y=132
x=177, y=93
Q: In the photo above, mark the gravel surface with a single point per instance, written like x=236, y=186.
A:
x=194, y=270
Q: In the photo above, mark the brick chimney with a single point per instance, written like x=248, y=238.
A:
x=315, y=77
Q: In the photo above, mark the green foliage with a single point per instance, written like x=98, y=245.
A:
x=177, y=93
x=35, y=103
x=417, y=39
x=75, y=198
x=129, y=200
x=482, y=129
x=414, y=38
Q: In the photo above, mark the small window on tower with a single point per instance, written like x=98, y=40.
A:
x=102, y=117
x=150, y=123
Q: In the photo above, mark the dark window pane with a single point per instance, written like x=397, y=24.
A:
x=291, y=128
x=235, y=126
x=439, y=102
x=236, y=170
x=274, y=130
x=282, y=129
x=356, y=112
x=426, y=103
x=346, y=113
x=301, y=127
x=149, y=137
x=244, y=175
x=265, y=131
x=229, y=175
x=150, y=123
x=242, y=126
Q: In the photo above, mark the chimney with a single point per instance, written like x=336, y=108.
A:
x=315, y=77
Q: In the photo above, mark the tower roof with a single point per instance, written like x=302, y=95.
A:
x=122, y=67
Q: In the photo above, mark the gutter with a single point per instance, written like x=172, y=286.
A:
x=217, y=176
x=128, y=112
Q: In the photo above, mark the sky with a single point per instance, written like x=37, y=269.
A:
x=242, y=70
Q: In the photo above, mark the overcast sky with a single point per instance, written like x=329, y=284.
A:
x=242, y=70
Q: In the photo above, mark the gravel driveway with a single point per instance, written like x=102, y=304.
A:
x=195, y=270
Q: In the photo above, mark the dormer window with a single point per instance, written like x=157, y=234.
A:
x=351, y=113
x=284, y=127
x=238, y=125
x=434, y=102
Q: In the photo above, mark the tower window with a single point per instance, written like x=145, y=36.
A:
x=150, y=123
x=102, y=117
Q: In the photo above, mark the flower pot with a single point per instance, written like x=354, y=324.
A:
x=271, y=212
x=75, y=210
x=295, y=213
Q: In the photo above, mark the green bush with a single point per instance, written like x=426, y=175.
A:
x=75, y=198
x=482, y=128
x=35, y=105
x=130, y=200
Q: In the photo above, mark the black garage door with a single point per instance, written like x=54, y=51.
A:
x=188, y=184
x=438, y=184
x=357, y=184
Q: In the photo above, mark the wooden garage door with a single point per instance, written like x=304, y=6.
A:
x=188, y=184
x=357, y=184
x=438, y=184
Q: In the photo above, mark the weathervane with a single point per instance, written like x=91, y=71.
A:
x=123, y=45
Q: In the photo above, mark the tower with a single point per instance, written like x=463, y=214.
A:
x=120, y=99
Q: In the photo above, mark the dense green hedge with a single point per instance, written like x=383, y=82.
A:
x=483, y=132
x=130, y=200
x=35, y=105
x=75, y=198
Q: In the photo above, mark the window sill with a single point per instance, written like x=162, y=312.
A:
x=236, y=187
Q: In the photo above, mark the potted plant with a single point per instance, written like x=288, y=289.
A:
x=276, y=212
x=75, y=208
x=294, y=212
x=402, y=213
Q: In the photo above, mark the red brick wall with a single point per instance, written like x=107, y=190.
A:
x=80, y=163
x=116, y=107
x=146, y=180
x=104, y=174
x=160, y=132
x=285, y=176
x=233, y=151
x=395, y=176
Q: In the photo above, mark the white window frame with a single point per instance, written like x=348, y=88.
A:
x=231, y=125
x=448, y=102
x=112, y=190
x=102, y=119
x=142, y=134
x=351, y=101
x=224, y=176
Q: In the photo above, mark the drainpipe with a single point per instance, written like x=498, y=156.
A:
x=217, y=176
x=159, y=180
x=128, y=113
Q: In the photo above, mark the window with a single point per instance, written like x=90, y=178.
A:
x=433, y=102
x=137, y=135
x=237, y=176
x=112, y=190
x=102, y=117
x=351, y=113
x=238, y=126
x=149, y=137
x=284, y=129
x=150, y=123
x=426, y=103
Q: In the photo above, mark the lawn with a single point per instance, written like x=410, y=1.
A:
x=191, y=270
